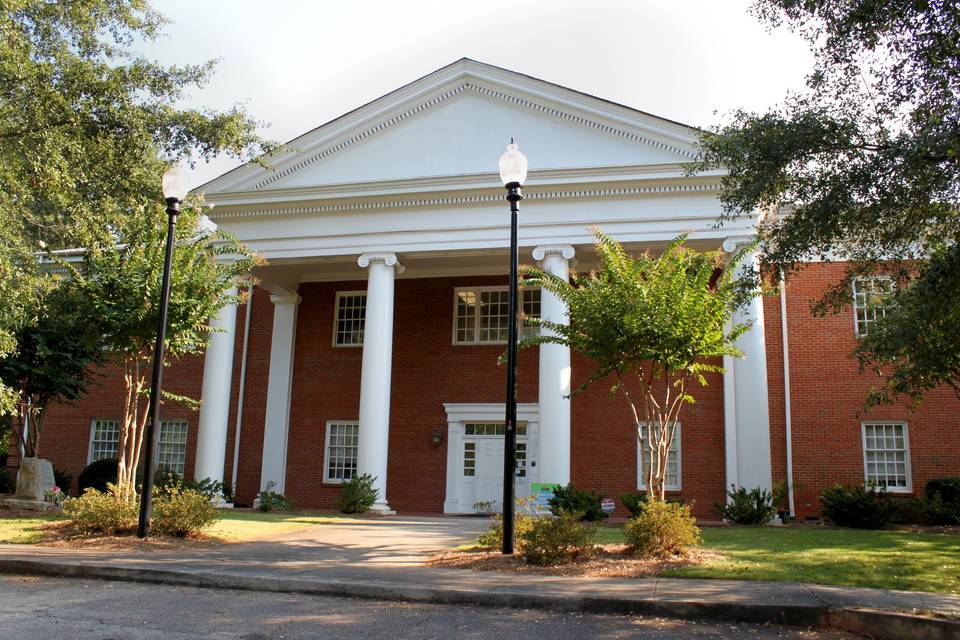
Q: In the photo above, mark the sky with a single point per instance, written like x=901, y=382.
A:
x=295, y=64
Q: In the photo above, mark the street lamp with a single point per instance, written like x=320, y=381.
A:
x=174, y=191
x=513, y=172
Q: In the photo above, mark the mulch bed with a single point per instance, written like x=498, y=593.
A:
x=62, y=534
x=607, y=561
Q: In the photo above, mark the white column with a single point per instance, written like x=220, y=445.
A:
x=375, y=375
x=750, y=392
x=553, y=463
x=215, y=394
x=273, y=468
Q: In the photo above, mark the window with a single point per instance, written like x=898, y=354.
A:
x=672, y=477
x=104, y=438
x=492, y=429
x=481, y=314
x=172, y=449
x=351, y=310
x=886, y=459
x=470, y=458
x=871, y=299
x=342, y=438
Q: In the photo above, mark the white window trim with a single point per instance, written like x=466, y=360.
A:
x=326, y=451
x=336, y=318
x=853, y=293
x=641, y=481
x=93, y=430
x=476, y=329
x=906, y=449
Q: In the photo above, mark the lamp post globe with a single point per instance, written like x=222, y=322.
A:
x=175, y=184
x=513, y=173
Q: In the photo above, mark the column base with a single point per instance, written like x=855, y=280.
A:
x=382, y=509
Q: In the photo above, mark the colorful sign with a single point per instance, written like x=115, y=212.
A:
x=542, y=492
x=608, y=505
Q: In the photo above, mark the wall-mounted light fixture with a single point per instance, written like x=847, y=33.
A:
x=437, y=437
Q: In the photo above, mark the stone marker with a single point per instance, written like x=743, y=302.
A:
x=35, y=479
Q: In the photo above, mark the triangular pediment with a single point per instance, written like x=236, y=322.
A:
x=456, y=122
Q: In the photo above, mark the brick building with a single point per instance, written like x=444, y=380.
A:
x=370, y=342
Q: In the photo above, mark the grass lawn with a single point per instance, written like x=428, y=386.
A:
x=845, y=557
x=24, y=530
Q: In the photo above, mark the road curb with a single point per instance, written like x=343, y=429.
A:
x=882, y=625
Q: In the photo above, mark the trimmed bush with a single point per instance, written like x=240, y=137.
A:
x=857, y=506
x=636, y=501
x=552, y=540
x=166, y=479
x=181, y=512
x=357, y=495
x=97, y=475
x=7, y=485
x=947, y=488
x=101, y=512
x=269, y=500
x=584, y=503
x=757, y=506
x=663, y=529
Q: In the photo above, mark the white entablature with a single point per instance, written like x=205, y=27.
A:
x=414, y=172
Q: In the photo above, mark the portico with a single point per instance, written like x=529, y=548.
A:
x=386, y=238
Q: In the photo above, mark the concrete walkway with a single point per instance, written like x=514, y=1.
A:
x=382, y=559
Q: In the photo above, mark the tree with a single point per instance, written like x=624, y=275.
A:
x=121, y=285
x=867, y=160
x=86, y=126
x=656, y=324
x=54, y=359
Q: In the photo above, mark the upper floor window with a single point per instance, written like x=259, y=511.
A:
x=481, y=314
x=351, y=310
x=871, y=300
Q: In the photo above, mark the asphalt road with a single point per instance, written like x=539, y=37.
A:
x=51, y=608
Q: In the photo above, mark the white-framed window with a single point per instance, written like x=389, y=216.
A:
x=671, y=478
x=349, y=316
x=481, y=314
x=341, y=450
x=104, y=439
x=172, y=447
x=886, y=455
x=871, y=299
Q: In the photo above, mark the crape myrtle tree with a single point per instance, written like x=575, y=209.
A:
x=121, y=283
x=656, y=323
x=866, y=161
x=84, y=125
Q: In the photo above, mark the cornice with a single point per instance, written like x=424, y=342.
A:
x=465, y=199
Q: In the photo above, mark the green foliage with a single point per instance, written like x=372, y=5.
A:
x=269, y=500
x=97, y=475
x=181, y=512
x=63, y=480
x=857, y=506
x=928, y=510
x=101, y=512
x=662, y=529
x=583, y=503
x=551, y=540
x=636, y=501
x=656, y=324
x=867, y=160
x=7, y=485
x=166, y=480
x=756, y=506
x=522, y=520
x=357, y=494
x=947, y=488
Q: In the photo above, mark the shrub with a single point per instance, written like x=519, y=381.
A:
x=757, y=506
x=522, y=520
x=663, y=529
x=97, y=475
x=907, y=510
x=570, y=500
x=7, y=484
x=936, y=511
x=101, y=512
x=857, y=506
x=551, y=540
x=269, y=500
x=166, y=479
x=181, y=512
x=636, y=501
x=358, y=494
x=63, y=480
x=947, y=489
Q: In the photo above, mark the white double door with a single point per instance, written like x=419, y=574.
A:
x=486, y=485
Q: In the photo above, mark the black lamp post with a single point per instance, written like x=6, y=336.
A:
x=174, y=191
x=513, y=172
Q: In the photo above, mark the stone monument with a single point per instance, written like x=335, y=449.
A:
x=33, y=481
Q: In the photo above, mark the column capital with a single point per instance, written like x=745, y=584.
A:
x=564, y=250
x=285, y=298
x=733, y=243
x=386, y=257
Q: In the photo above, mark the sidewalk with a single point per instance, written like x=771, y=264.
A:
x=381, y=559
